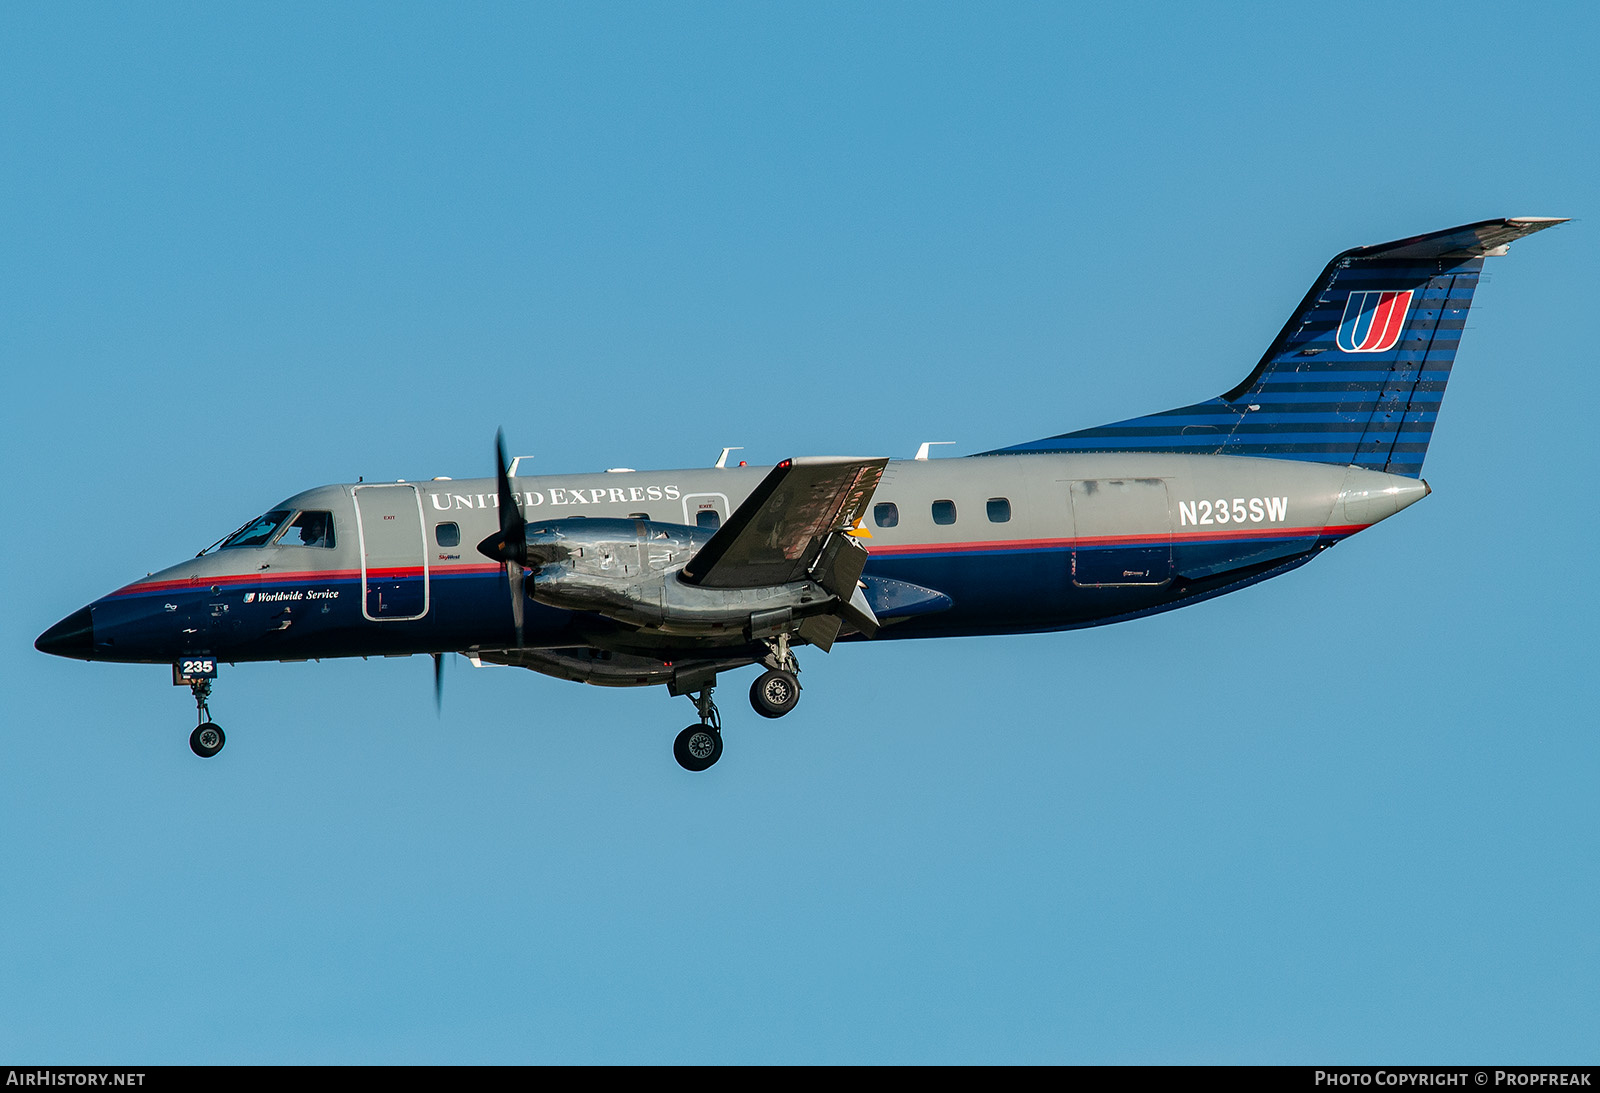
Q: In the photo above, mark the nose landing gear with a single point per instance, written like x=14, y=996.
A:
x=197, y=674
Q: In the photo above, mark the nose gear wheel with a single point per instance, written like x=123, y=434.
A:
x=207, y=738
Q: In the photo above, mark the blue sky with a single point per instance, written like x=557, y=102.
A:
x=1348, y=815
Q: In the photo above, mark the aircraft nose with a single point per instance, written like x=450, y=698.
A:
x=72, y=637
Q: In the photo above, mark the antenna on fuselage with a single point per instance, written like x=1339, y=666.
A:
x=722, y=460
x=922, y=452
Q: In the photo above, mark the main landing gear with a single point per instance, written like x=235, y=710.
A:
x=699, y=746
x=774, y=693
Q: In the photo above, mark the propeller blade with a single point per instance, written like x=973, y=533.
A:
x=510, y=544
x=438, y=682
x=511, y=520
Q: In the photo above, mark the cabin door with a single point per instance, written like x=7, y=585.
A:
x=394, y=552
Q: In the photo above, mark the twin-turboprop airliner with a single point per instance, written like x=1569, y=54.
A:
x=635, y=578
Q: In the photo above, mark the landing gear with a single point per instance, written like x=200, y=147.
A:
x=774, y=693
x=207, y=739
x=699, y=746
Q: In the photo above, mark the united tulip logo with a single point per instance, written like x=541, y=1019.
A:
x=1373, y=320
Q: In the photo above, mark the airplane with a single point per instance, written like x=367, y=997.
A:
x=626, y=578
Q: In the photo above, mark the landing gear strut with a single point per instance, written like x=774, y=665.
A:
x=699, y=746
x=776, y=691
x=207, y=739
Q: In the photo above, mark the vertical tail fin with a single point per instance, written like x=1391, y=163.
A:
x=1357, y=373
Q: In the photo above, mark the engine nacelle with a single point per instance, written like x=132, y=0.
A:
x=627, y=570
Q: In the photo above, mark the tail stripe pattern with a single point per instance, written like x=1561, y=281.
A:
x=1357, y=374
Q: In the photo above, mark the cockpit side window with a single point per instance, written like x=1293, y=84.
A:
x=257, y=532
x=313, y=529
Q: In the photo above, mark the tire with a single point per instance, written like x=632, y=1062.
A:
x=774, y=693
x=697, y=748
x=207, y=740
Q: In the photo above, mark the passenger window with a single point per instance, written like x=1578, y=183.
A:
x=708, y=518
x=999, y=510
x=447, y=535
x=885, y=515
x=944, y=512
x=310, y=529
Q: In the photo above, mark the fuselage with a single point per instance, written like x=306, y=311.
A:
x=977, y=545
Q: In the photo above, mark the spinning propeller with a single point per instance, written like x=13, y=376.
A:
x=509, y=545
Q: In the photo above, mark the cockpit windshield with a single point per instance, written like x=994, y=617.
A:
x=257, y=532
x=308, y=528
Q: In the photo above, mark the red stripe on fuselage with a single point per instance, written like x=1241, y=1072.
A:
x=312, y=576
x=1177, y=538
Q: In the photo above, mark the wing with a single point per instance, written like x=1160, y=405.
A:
x=778, y=534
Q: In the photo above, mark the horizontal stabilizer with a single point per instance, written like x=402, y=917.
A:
x=1487, y=238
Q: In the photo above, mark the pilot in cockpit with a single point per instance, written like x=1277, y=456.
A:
x=311, y=529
